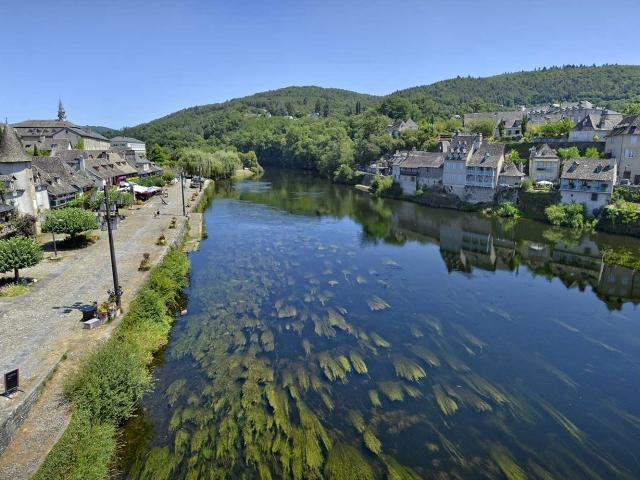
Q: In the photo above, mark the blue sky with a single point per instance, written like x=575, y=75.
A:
x=118, y=63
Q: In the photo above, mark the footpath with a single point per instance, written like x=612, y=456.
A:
x=41, y=333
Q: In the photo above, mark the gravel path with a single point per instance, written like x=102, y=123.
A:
x=38, y=328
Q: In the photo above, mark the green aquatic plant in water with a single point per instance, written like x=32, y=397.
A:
x=344, y=462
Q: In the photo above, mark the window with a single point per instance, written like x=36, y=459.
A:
x=628, y=153
x=594, y=197
x=634, y=140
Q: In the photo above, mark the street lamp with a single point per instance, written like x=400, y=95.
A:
x=53, y=235
x=114, y=268
x=184, y=210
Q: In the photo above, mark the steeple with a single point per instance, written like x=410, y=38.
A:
x=62, y=115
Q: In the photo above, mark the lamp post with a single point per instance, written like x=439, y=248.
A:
x=114, y=268
x=55, y=250
x=184, y=210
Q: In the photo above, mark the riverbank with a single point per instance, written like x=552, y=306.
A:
x=60, y=343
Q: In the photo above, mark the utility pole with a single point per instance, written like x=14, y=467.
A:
x=184, y=210
x=114, y=268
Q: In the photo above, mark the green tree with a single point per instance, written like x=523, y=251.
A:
x=72, y=221
x=524, y=124
x=80, y=144
x=325, y=109
x=358, y=107
x=632, y=108
x=17, y=253
x=567, y=153
x=592, y=152
x=561, y=128
x=485, y=127
x=157, y=155
x=397, y=107
x=35, y=151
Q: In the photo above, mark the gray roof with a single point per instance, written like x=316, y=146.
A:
x=630, y=125
x=545, y=151
x=11, y=150
x=509, y=169
x=87, y=134
x=419, y=158
x=488, y=155
x=588, y=169
x=126, y=139
x=55, y=167
x=102, y=163
x=45, y=124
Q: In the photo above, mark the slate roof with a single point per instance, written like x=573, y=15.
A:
x=55, y=167
x=488, y=155
x=45, y=124
x=126, y=139
x=11, y=150
x=509, y=169
x=588, y=169
x=630, y=125
x=545, y=151
x=55, y=186
x=102, y=163
x=87, y=134
x=419, y=158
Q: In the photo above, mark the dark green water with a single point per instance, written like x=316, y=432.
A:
x=333, y=335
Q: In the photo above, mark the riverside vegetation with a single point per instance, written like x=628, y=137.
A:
x=335, y=345
x=110, y=382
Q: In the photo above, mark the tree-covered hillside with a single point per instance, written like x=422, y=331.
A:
x=351, y=127
x=608, y=85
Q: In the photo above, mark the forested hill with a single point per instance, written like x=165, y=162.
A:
x=609, y=85
x=262, y=122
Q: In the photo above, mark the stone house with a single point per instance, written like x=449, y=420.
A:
x=417, y=169
x=544, y=164
x=399, y=126
x=128, y=143
x=510, y=175
x=623, y=144
x=62, y=182
x=21, y=192
x=591, y=128
x=143, y=166
x=104, y=167
x=458, y=153
x=588, y=181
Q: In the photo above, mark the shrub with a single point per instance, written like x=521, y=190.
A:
x=343, y=174
x=167, y=177
x=110, y=382
x=526, y=184
x=17, y=253
x=72, y=221
x=153, y=181
x=622, y=211
x=380, y=184
x=25, y=225
x=145, y=264
x=567, y=215
x=507, y=210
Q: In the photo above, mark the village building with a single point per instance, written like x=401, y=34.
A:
x=20, y=193
x=143, y=166
x=544, y=164
x=104, y=167
x=510, y=175
x=484, y=166
x=62, y=182
x=48, y=135
x=399, y=126
x=417, y=169
x=458, y=152
x=128, y=143
x=623, y=144
x=594, y=129
x=588, y=181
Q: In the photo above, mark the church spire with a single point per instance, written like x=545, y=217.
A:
x=62, y=115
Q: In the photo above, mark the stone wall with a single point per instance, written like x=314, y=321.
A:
x=533, y=203
x=618, y=228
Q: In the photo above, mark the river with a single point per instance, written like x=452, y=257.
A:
x=335, y=335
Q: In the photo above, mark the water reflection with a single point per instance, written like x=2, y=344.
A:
x=334, y=335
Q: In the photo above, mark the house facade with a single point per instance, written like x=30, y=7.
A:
x=588, y=181
x=623, y=144
x=128, y=143
x=104, y=167
x=62, y=183
x=458, y=152
x=594, y=129
x=417, y=169
x=510, y=174
x=399, y=126
x=544, y=164
x=20, y=193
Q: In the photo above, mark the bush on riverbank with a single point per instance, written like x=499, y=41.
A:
x=567, y=215
x=111, y=381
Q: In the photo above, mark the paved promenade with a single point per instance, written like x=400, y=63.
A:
x=38, y=328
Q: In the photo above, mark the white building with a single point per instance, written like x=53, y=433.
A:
x=623, y=144
x=458, y=153
x=544, y=164
x=128, y=143
x=588, y=181
x=593, y=128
